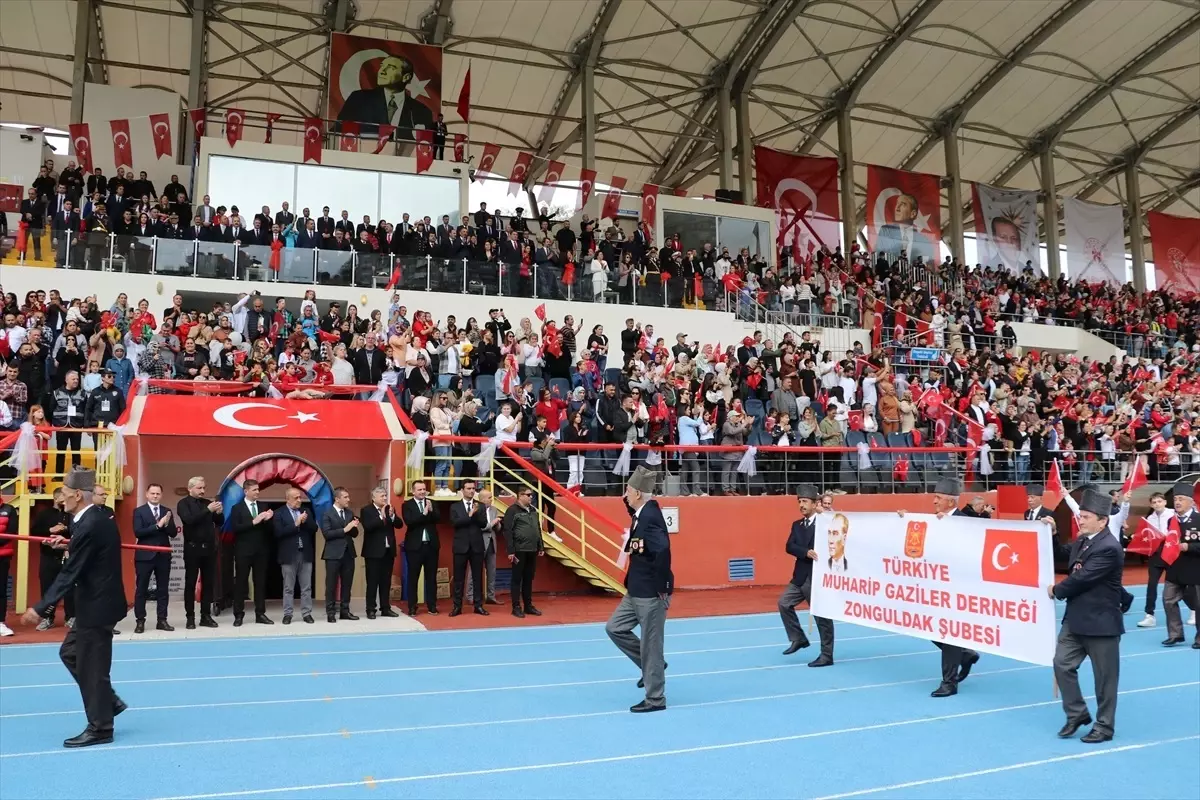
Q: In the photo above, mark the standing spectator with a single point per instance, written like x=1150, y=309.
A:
x=49, y=522
x=380, y=524
x=200, y=517
x=295, y=537
x=339, y=527
x=154, y=525
x=421, y=547
x=252, y=533
x=523, y=539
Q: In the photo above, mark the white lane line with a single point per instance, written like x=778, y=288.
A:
x=709, y=748
x=1011, y=767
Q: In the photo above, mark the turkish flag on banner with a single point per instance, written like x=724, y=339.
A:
x=487, y=160
x=348, y=142
x=904, y=213
x=197, y=117
x=1010, y=557
x=464, y=96
x=384, y=136
x=424, y=150
x=235, y=120
x=81, y=139
x=271, y=120
x=313, y=134
x=649, y=204
x=554, y=172
x=612, y=198
x=160, y=129
x=587, y=182
x=122, y=149
x=804, y=193
x=1175, y=242
x=460, y=147
x=519, y=171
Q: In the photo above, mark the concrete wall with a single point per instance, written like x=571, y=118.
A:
x=1058, y=338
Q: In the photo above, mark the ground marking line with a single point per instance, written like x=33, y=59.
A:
x=654, y=754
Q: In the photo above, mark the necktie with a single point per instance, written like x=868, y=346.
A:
x=470, y=508
x=154, y=511
x=253, y=509
x=392, y=107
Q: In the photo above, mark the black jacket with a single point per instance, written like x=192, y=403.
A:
x=649, y=549
x=419, y=525
x=339, y=542
x=522, y=529
x=291, y=538
x=199, y=525
x=146, y=531
x=249, y=538
x=468, y=529
x=93, y=570
x=1186, y=569
x=1092, y=588
x=379, y=538
x=104, y=405
x=799, y=542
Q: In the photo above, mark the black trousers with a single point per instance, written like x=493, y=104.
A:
x=160, y=568
x=203, y=565
x=379, y=582
x=425, y=558
x=523, y=569
x=48, y=569
x=475, y=559
x=952, y=658
x=338, y=569
x=62, y=440
x=87, y=655
x=1153, y=574
x=223, y=593
x=244, y=564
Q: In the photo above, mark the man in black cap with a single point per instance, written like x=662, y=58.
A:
x=1092, y=624
x=106, y=403
x=1183, y=576
x=801, y=544
x=648, y=584
x=93, y=571
x=1033, y=495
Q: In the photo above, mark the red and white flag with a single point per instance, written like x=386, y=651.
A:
x=1054, y=484
x=1170, y=548
x=460, y=147
x=649, y=204
x=519, y=171
x=464, y=96
x=197, y=117
x=81, y=140
x=804, y=193
x=314, y=133
x=680, y=192
x=384, y=136
x=1005, y=227
x=1095, y=239
x=554, y=171
x=235, y=121
x=271, y=120
x=587, y=182
x=424, y=150
x=1137, y=475
x=1146, y=539
x=122, y=148
x=904, y=213
x=348, y=141
x=540, y=312
x=612, y=198
x=1176, y=245
x=160, y=129
x=487, y=161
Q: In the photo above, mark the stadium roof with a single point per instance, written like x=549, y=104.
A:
x=1102, y=82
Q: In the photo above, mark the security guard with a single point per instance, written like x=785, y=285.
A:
x=801, y=544
x=1183, y=577
x=1092, y=624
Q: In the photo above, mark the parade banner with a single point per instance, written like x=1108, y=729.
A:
x=1175, y=242
x=975, y=583
x=381, y=81
x=804, y=193
x=904, y=213
x=1095, y=241
x=1006, y=230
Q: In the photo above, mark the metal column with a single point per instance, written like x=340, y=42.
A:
x=587, y=105
x=954, y=194
x=741, y=114
x=196, y=78
x=725, y=143
x=849, y=207
x=1049, y=212
x=1137, y=245
x=79, y=73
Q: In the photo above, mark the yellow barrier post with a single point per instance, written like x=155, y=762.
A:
x=21, y=588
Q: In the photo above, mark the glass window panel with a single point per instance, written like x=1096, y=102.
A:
x=738, y=233
x=352, y=190
x=693, y=229
x=250, y=184
x=419, y=195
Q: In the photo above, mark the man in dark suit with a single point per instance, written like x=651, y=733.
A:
x=388, y=102
x=309, y=237
x=522, y=529
x=198, y=231
x=65, y=225
x=469, y=518
x=252, y=531
x=1183, y=575
x=421, y=547
x=339, y=527
x=325, y=224
x=93, y=572
x=295, y=548
x=345, y=225
x=1092, y=625
x=259, y=235
x=200, y=517
x=801, y=545
x=649, y=584
x=380, y=524
x=1033, y=494
x=33, y=214
x=284, y=218
x=153, y=524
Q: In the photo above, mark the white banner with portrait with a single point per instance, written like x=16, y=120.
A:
x=975, y=583
x=1006, y=230
x=1095, y=242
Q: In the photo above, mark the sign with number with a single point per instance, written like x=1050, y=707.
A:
x=671, y=516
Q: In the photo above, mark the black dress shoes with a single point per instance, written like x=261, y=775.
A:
x=191, y=624
x=534, y=611
x=389, y=612
x=263, y=619
x=412, y=612
x=454, y=612
x=821, y=661
x=641, y=708
x=481, y=611
x=1095, y=737
x=433, y=611
x=331, y=617
x=88, y=738
x=163, y=625
x=1196, y=644
x=140, y=627
x=347, y=615
x=237, y=622
x=795, y=646
x=371, y=615
x=1073, y=725
x=517, y=612
x=308, y=618
x=1172, y=642
x=945, y=690
x=118, y=706
x=287, y=619
x=208, y=622
x=964, y=669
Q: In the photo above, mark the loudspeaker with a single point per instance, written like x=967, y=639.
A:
x=728, y=196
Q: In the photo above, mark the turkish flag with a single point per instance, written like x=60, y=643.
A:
x=314, y=133
x=241, y=417
x=519, y=171
x=348, y=142
x=680, y=192
x=424, y=150
x=385, y=136
x=649, y=204
x=1010, y=557
x=612, y=198
x=904, y=212
x=1146, y=538
x=587, y=182
x=554, y=172
x=122, y=148
x=1170, y=548
x=271, y=120
x=81, y=139
x=804, y=193
x=1137, y=475
x=1054, y=484
x=235, y=120
x=464, y=96
x=540, y=312
x=487, y=160
x=460, y=147
x=1176, y=245
x=160, y=129
x=197, y=117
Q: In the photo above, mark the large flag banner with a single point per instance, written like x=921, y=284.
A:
x=1175, y=242
x=313, y=136
x=904, y=214
x=649, y=205
x=487, y=161
x=804, y=193
x=976, y=583
x=1006, y=230
x=1095, y=241
x=519, y=171
x=612, y=198
x=122, y=146
x=81, y=138
x=160, y=129
x=380, y=81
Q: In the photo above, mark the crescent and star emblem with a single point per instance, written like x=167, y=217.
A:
x=227, y=416
x=118, y=136
x=160, y=126
x=1012, y=559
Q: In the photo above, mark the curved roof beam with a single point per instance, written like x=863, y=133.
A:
x=848, y=94
x=1184, y=186
x=954, y=116
x=1138, y=151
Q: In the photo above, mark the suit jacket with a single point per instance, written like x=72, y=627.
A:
x=339, y=543
x=369, y=106
x=305, y=239
x=207, y=213
x=649, y=549
x=199, y=525
x=420, y=526
x=345, y=226
x=325, y=225
x=891, y=243
x=1093, y=588
x=146, y=530
x=468, y=528
x=63, y=222
x=249, y=538
x=800, y=541
x=260, y=236
x=1186, y=569
x=284, y=218
x=379, y=537
x=93, y=571
x=291, y=539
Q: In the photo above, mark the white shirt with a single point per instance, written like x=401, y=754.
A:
x=502, y=422
x=82, y=512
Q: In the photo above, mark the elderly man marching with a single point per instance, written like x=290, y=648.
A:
x=801, y=545
x=648, y=584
